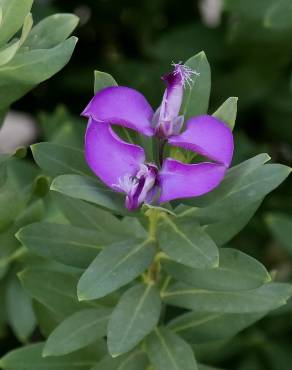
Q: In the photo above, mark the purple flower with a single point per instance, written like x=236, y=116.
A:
x=122, y=166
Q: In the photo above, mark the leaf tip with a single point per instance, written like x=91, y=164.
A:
x=268, y=278
x=53, y=186
x=46, y=352
x=81, y=297
x=114, y=355
x=202, y=54
x=18, y=234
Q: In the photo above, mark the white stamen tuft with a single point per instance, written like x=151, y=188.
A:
x=185, y=73
x=125, y=183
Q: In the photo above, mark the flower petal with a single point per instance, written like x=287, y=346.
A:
x=180, y=180
x=123, y=106
x=109, y=157
x=207, y=136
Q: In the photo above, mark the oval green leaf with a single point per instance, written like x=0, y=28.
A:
x=135, y=316
x=117, y=265
x=186, y=242
x=236, y=271
x=167, y=350
x=77, y=331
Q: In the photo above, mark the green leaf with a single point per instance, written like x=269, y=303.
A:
x=55, y=290
x=279, y=15
x=196, y=97
x=47, y=320
x=236, y=271
x=67, y=244
x=102, y=80
x=9, y=246
x=203, y=327
x=136, y=360
x=83, y=188
x=187, y=243
x=19, y=310
x=117, y=265
x=227, y=112
x=254, y=187
x=135, y=316
x=223, y=231
x=11, y=204
x=8, y=52
x=77, y=331
x=52, y=30
x=56, y=159
x=13, y=15
x=281, y=228
x=30, y=357
x=32, y=213
x=267, y=297
x=86, y=215
x=234, y=177
x=31, y=67
x=166, y=350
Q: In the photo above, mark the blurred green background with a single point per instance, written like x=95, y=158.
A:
x=248, y=44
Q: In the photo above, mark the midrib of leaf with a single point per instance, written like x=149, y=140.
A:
x=66, y=242
x=127, y=360
x=121, y=262
x=91, y=187
x=191, y=89
x=232, y=192
x=85, y=326
x=64, y=165
x=214, y=292
x=63, y=293
x=183, y=236
x=251, y=184
x=194, y=323
x=86, y=217
x=132, y=252
x=239, y=273
x=168, y=352
x=137, y=309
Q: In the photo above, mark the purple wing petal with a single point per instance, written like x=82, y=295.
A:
x=180, y=180
x=110, y=158
x=207, y=136
x=121, y=106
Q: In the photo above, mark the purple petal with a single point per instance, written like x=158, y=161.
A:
x=172, y=97
x=123, y=106
x=175, y=84
x=180, y=180
x=110, y=158
x=207, y=136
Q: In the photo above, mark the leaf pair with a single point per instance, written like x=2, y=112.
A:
x=134, y=317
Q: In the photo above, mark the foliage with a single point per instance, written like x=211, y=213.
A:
x=121, y=280
x=37, y=54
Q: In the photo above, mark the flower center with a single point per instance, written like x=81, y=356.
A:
x=140, y=188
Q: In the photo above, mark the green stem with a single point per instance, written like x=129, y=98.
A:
x=152, y=274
